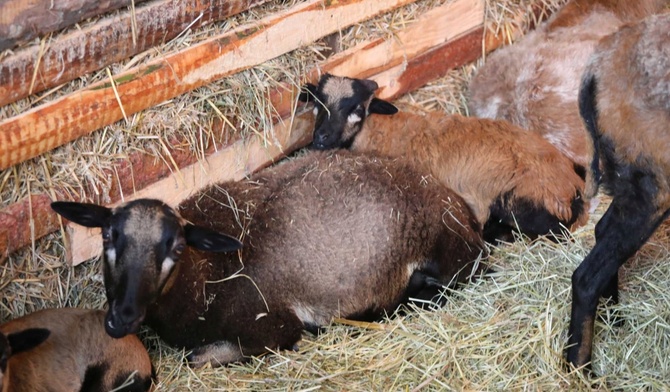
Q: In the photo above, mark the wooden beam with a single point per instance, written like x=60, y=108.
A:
x=85, y=243
x=56, y=123
x=23, y=20
x=110, y=40
x=232, y=163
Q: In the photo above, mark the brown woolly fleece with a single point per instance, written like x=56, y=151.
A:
x=77, y=355
x=632, y=69
x=480, y=159
x=534, y=83
x=324, y=235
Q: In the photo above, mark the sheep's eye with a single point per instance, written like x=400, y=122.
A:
x=179, y=249
x=109, y=235
x=356, y=115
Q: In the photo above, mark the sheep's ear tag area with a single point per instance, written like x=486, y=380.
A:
x=306, y=92
x=27, y=339
x=209, y=240
x=379, y=106
x=85, y=214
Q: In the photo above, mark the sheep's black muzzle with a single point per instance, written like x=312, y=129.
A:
x=123, y=321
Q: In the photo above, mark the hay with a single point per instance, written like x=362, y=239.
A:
x=506, y=331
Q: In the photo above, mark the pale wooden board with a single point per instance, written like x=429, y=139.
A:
x=435, y=27
x=232, y=163
x=52, y=124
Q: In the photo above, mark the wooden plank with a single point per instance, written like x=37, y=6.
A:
x=29, y=219
x=432, y=29
x=232, y=163
x=56, y=123
x=108, y=41
x=23, y=20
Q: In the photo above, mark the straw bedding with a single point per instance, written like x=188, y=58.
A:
x=504, y=331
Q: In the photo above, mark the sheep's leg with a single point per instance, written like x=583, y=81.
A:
x=611, y=291
x=626, y=226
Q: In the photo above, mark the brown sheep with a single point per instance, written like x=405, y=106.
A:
x=625, y=102
x=68, y=350
x=325, y=235
x=508, y=177
x=534, y=83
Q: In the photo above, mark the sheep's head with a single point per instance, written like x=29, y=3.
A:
x=15, y=343
x=341, y=105
x=142, y=241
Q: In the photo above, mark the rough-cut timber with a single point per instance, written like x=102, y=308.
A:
x=55, y=123
x=19, y=221
x=351, y=62
x=23, y=20
x=232, y=163
x=108, y=41
x=437, y=26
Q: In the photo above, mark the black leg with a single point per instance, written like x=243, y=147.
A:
x=611, y=291
x=626, y=226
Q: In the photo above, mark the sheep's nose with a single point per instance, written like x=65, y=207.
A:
x=321, y=138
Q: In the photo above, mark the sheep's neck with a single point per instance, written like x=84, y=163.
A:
x=380, y=136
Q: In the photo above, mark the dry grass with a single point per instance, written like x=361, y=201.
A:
x=505, y=331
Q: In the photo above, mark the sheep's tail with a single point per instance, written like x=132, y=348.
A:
x=589, y=113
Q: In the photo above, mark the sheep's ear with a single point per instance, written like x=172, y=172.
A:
x=203, y=238
x=369, y=85
x=306, y=92
x=379, y=106
x=85, y=214
x=27, y=339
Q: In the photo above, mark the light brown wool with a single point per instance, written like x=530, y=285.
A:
x=480, y=159
x=534, y=83
x=76, y=343
x=508, y=177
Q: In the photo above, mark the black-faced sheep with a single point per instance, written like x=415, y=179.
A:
x=534, y=83
x=68, y=350
x=324, y=235
x=509, y=178
x=625, y=102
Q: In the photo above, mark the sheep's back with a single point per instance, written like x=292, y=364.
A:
x=634, y=111
x=534, y=83
x=327, y=225
x=480, y=159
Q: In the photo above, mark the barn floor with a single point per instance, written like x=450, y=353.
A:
x=504, y=331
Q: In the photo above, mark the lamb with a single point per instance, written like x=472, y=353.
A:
x=324, y=235
x=507, y=176
x=68, y=350
x=625, y=102
x=534, y=83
